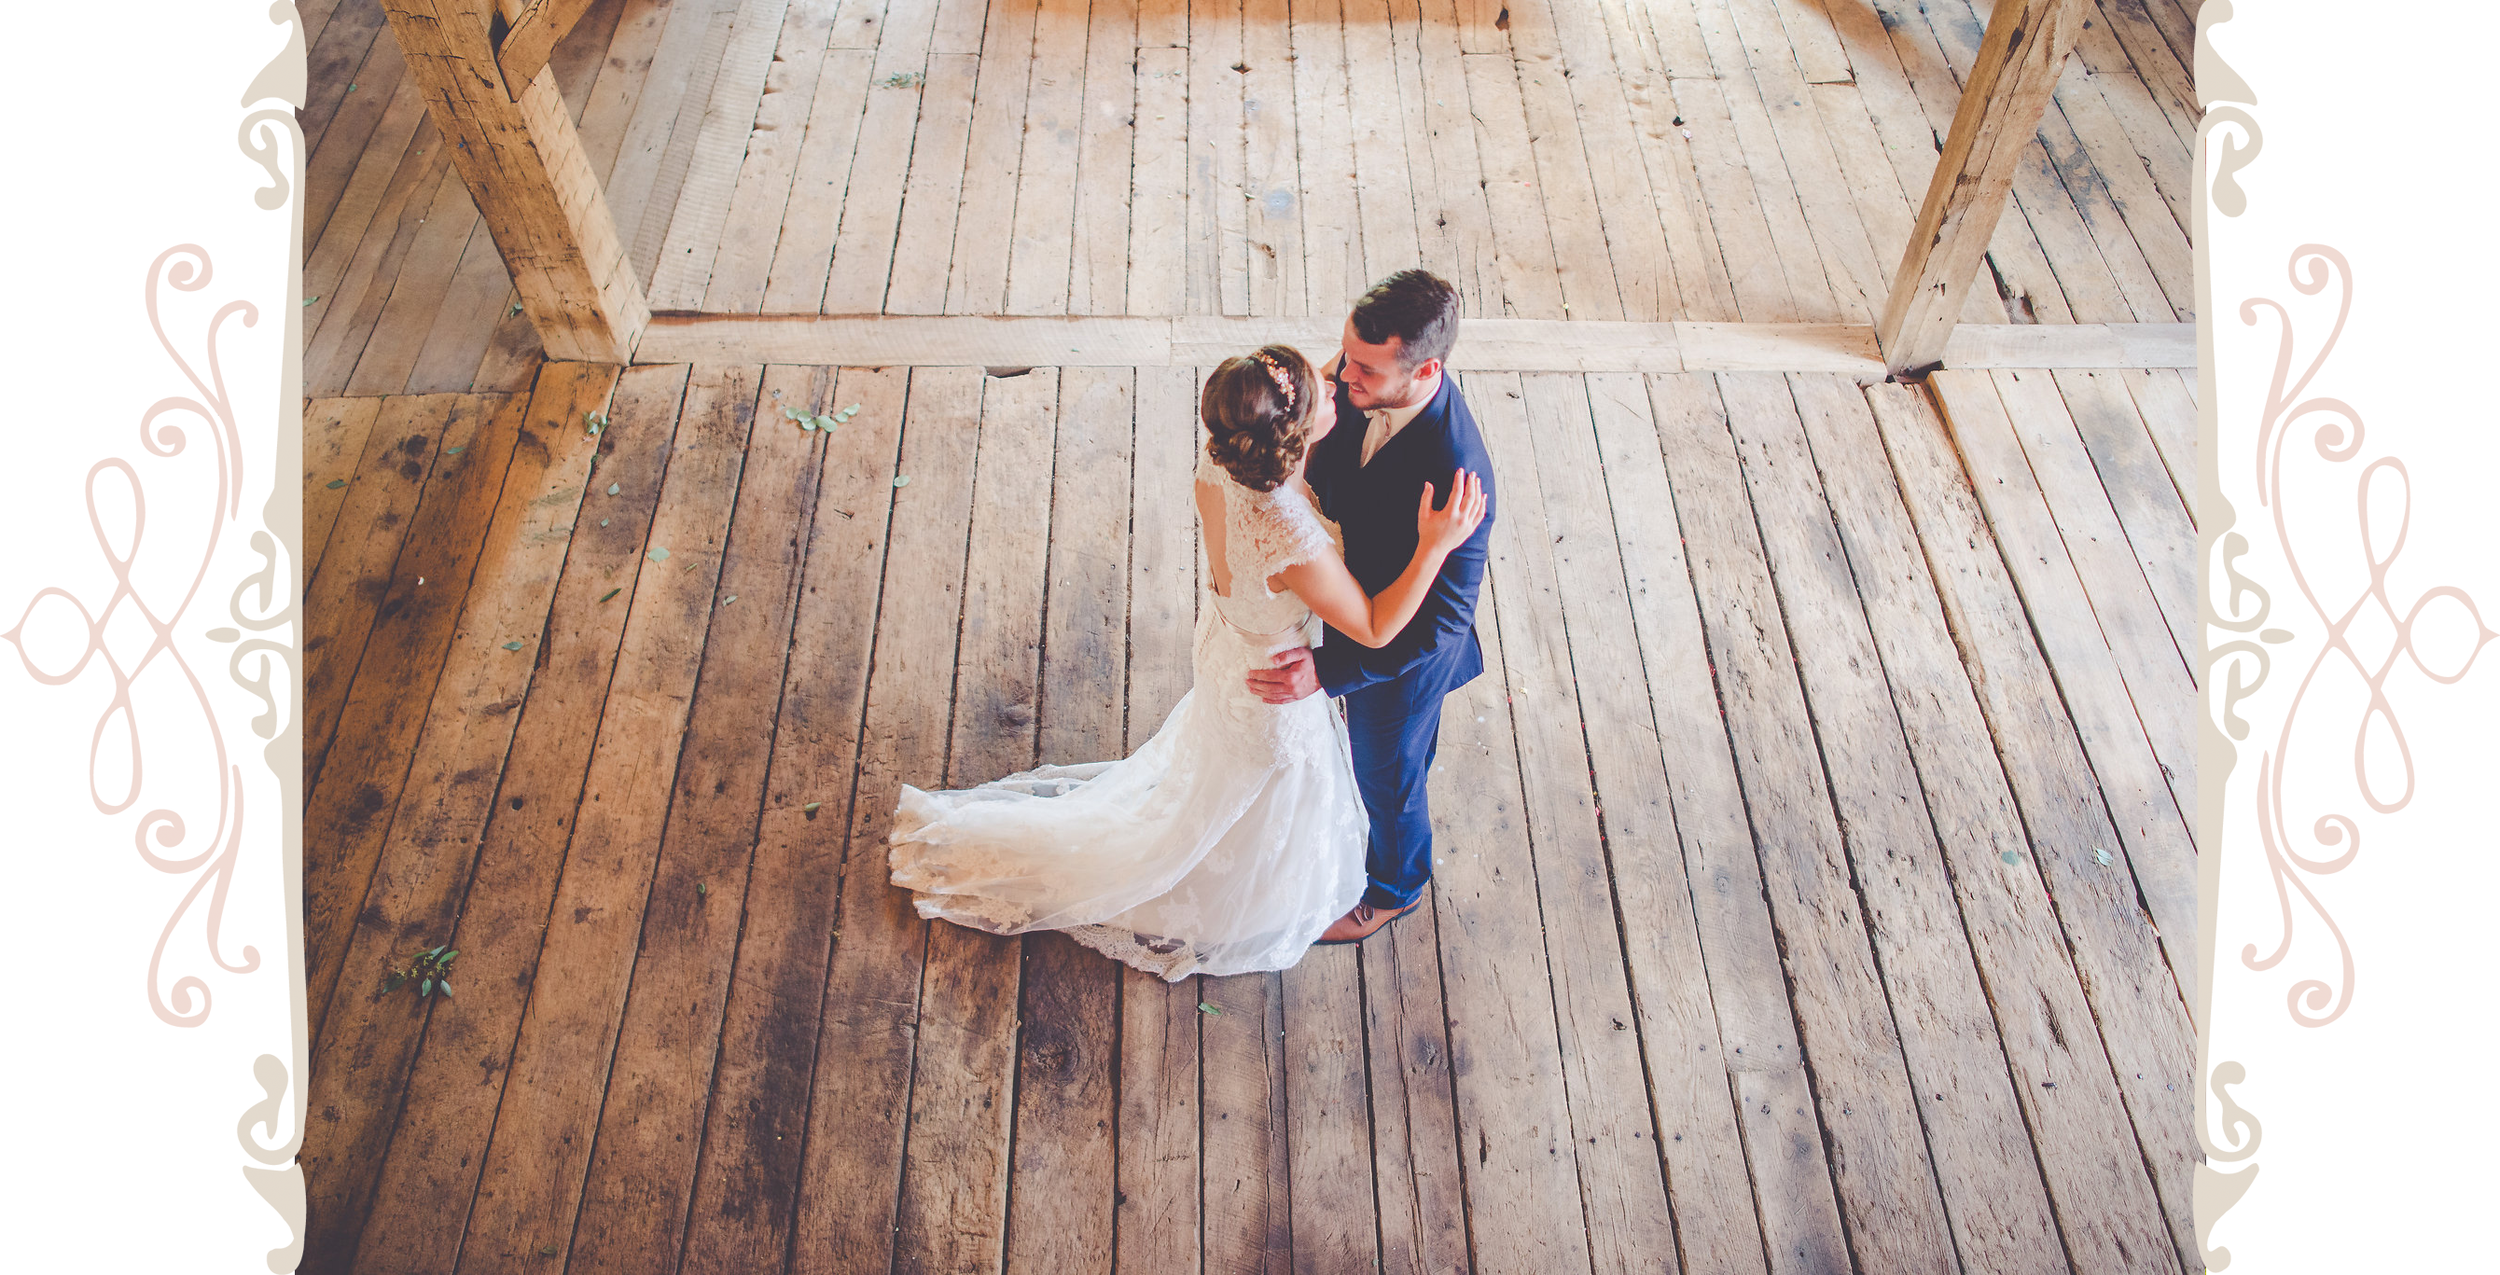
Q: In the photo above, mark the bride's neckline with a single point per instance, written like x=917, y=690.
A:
x=1296, y=484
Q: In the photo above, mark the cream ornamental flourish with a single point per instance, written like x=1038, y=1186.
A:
x=263, y=134
x=2227, y=141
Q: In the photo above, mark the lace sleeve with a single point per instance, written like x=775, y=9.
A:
x=1273, y=532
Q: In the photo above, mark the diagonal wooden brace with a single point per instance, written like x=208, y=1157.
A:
x=532, y=28
x=2002, y=101
x=524, y=166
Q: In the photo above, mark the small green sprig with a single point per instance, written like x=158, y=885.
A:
x=428, y=969
x=816, y=420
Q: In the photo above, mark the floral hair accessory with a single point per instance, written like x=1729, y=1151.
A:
x=1276, y=373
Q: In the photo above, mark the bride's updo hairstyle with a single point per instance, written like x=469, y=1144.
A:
x=1257, y=408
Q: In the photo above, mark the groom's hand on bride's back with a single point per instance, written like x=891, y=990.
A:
x=1292, y=678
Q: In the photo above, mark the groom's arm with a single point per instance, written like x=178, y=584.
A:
x=1447, y=612
x=1345, y=665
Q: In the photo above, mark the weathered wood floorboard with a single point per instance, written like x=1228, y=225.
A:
x=754, y=1139
x=438, y=1150
x=1870, y=1113
x=417, y=856
x=857, y=1106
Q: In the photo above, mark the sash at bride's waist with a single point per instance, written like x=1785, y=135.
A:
x=1304, y=631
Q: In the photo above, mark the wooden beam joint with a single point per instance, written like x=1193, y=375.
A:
x=516, y=150
x=2008, y=89
x=525, y=33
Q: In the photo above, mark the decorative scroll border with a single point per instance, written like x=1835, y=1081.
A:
x=2222, y=95
x=264, y=663
x=2236, y=607
x=188, y=269
x=271, y=138
x=274, y=1173
x=263, y=658
x=2337, y=440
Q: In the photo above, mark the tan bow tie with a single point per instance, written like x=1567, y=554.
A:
x=1377, y=433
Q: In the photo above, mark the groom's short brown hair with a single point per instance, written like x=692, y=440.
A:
x=1417, y=308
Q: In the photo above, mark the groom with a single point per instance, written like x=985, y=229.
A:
x=1402, y=424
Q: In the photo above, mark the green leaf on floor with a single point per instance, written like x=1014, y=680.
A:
x=2011, y=857
x=308, y=302
x=811, y=807
x=336, y=483
x=427, y=969
x=1205, y=1008
x=2101, y=856
x=512, y=646
x=659, y=553
x=609, y=594
x=454, y=451
x=614, y=488
x=902, y=480
x=824, y=422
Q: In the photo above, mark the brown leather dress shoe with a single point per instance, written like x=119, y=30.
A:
x=1362, y=923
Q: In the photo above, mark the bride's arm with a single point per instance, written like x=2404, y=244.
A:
x=1334, y=595
x=1211, y=529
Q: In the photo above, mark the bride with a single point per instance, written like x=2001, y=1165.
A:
x=1235, y=835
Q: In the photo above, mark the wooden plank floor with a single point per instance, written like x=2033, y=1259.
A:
x=1812, y=894
x=1753, y=161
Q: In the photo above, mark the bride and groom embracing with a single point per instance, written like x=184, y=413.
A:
x=1354, y=497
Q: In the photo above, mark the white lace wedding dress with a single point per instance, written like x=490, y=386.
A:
x=1224, y=845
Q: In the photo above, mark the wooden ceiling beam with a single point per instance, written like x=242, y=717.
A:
x=531, y=30
x=2002, y=102
x=535, y=189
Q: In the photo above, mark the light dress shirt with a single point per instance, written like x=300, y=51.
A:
x=1385, y=422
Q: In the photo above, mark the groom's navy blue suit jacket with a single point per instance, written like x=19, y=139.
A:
x=1375, y=506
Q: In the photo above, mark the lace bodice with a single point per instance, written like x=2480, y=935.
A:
x=1264, y=533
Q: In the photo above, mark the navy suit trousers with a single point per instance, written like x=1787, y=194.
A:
x=1395, y=730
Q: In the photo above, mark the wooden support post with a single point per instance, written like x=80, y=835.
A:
x=531, y=30
x=533, y=185
x=2008, y=88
